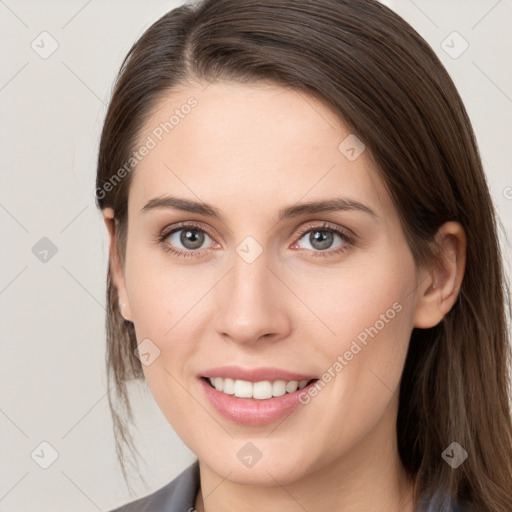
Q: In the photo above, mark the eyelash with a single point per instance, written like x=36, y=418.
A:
x=349, y=240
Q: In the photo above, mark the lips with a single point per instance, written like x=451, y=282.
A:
x=255, y=374
x=250, y=411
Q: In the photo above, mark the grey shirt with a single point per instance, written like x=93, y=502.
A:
x=177, y=496
x=180, y=496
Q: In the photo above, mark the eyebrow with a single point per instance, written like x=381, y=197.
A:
x=327, y=205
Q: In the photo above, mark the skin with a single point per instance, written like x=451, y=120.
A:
x=251, y=150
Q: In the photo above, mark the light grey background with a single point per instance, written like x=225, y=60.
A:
x=52, y=313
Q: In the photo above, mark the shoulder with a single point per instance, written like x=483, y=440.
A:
x=177, y=495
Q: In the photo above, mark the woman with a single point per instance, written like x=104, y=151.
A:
x=304, y=263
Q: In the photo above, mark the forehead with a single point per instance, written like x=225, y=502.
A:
x=239, y=143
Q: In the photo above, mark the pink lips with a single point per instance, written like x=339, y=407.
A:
x=251, y=411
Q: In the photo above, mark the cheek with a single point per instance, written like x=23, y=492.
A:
x=368, y=312
x=355, y=299
x=160, y=293
x=166, y=306
x=364, y=362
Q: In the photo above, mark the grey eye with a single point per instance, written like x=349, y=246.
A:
x=320, y=239
x=190, y=238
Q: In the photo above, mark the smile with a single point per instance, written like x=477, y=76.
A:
x=258, y=390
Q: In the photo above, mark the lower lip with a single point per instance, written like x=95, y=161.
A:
x=251, y=411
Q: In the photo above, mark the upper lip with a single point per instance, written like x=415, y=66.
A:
x=255, y=374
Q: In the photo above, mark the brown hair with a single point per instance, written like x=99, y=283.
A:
x=388, y=86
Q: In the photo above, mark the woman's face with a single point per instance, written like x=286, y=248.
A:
x=253, y=289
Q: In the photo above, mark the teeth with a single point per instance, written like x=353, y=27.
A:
x=259, y=390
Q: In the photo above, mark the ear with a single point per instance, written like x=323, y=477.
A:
x=116, y=269
x=439, y=289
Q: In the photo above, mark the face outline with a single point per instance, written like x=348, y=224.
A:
x=216, y=308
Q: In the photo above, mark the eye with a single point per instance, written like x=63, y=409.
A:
x=187, y=236
x=322, y=238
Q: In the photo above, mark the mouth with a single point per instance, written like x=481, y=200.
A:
x=254, y=403
x=262, y=390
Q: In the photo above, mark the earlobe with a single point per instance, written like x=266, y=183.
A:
x=116, y=270
x=439, y=289
x=124, y=312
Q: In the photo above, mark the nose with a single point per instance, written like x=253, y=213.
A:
x=252, y=303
